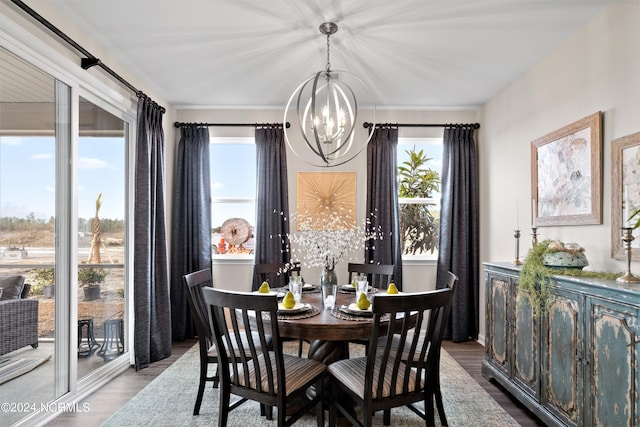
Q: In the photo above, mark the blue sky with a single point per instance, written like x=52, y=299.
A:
x=27, y=177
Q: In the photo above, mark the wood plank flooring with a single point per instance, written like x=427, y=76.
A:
x=111, y=397
x=469, y=355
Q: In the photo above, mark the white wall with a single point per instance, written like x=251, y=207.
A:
x=596, y=69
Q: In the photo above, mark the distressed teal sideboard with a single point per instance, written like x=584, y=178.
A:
x=576, y=364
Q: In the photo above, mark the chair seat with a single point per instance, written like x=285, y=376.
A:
x=298, y=372
x=351, y=373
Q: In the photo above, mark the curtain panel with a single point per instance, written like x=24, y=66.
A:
x=459, y=235
x=152, y=339
x=272, y=201
x=382, y=200
x=191, y=223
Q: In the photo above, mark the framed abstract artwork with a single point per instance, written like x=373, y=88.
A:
x=326, y=200
x=625, y=192
x=566, y=172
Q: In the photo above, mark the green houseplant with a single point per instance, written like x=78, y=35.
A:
x=44, y=282
x=90, y=279
x=419, y=229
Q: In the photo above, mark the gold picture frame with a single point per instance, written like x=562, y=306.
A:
x=625, y=174
x=566, y=172
x=322, y=196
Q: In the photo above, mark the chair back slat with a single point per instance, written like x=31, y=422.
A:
x=243, y=320
x=378, y=275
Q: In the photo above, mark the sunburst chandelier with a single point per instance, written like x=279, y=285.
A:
x=323, y=110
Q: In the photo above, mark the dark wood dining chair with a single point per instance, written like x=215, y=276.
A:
x=276, y=274
x=452, y=279
x=385, y=378
x=378, y=275
x=195, y=283
x=254, y=371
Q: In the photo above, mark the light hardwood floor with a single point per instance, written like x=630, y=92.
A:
x=110, y=398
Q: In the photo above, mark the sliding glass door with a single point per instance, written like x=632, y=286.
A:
x=63, y=229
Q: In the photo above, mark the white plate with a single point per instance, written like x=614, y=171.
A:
x=353, y=309
x=308, y=287
x=265, y=293
x=298, y=308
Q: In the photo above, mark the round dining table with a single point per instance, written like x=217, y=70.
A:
x=330, y=331
x=328, y=335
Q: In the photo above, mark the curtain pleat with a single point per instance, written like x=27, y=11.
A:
x=459, y=235
x=191, y=224
x=382, y=200
x=152, y=312
x=272, y=200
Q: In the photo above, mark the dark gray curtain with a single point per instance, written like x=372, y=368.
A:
x=191, y=224
x=382, y=200
x=152, y=311
x=459, y=236
x=272, y=200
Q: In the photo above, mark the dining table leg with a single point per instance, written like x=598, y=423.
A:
x=328, y=352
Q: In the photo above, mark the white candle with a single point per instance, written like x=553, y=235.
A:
x=625, y=204
x=517, y=225
x=533, y=213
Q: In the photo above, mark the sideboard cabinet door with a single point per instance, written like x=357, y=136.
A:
x=613, y=335
x=498, y=291
x=525, y=339
x=562, y=367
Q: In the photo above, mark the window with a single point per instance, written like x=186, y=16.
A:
x=233, y=193
x=419, y=166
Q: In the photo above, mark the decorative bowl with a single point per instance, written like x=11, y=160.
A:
x=565, y=260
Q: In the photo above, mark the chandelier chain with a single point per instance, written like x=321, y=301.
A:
x=328, y=48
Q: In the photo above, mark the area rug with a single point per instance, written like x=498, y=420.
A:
x=11, y=368
x=169, y=399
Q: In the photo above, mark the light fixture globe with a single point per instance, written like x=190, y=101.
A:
x=323, y=111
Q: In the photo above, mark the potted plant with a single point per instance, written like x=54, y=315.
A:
x=90, y=279
x=44, y=280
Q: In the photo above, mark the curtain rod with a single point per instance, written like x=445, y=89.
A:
x=367, y=125
x=182, y=125
x=89, y=60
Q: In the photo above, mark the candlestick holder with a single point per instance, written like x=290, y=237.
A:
x=516, y=234
x=627, y=238
x=534, y=236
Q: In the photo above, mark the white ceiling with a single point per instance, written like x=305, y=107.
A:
x=254, y=53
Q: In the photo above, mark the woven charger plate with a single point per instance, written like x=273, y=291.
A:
x=314, y=311
x=346, y=316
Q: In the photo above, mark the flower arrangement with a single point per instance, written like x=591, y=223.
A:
x=322, y=240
